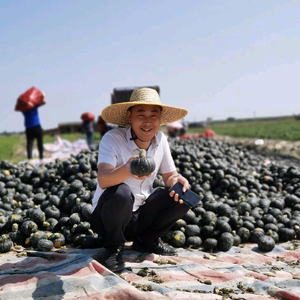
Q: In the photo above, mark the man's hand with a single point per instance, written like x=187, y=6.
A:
x=178, y=178
x=129, y=169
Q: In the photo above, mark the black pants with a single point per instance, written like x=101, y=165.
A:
x=114, y=220
x=32, y=133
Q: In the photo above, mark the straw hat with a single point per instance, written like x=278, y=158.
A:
x=117, y=113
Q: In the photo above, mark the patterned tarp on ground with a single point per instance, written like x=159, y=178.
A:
x=59, y=149
x=193, y=274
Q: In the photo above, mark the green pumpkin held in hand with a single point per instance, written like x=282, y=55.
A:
x=143, y=165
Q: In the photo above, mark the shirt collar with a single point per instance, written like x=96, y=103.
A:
x=132, y=145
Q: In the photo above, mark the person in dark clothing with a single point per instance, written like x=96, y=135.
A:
x=88, y=129
x=126, y=207
x=34, y=130
x=102, y=126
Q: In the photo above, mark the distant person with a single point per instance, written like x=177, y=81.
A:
x=183, y=130
x=209, y=133
x=88, y=130
x=174, y=129
x=34, y=130
x=102, y=126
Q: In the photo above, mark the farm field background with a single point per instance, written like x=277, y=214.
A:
x=12, y=147
x=277, y=128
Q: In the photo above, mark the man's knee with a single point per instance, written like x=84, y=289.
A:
x=120, y=195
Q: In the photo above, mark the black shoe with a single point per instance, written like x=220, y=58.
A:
x=156, y=247
x=113, y=259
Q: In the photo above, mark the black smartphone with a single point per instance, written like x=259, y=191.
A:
x=189, y=197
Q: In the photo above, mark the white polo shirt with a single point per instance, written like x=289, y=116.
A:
x=116, y=148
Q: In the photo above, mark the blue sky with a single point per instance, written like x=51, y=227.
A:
x=218, y=59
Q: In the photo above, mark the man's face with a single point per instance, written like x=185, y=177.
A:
x=145, y=120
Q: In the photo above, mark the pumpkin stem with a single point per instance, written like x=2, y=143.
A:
x=142, y=153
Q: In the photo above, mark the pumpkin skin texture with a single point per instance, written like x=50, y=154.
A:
x=192, y=230
x=142, y=166
x=225, y=241
x=28, y=227
x=286, y=234
x=45, y=245
x=179, y=225
x=58, y=239
x=210, y=244
x=193, y=242
x=177, y=239
x=266, y=243
x=5, y=243
x=244, y=234
x=36, y=237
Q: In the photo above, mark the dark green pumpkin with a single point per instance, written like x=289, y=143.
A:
x=270, y=226
x=3, y=222
x=39, y=198
x=77, y=239
x=192, y=230
x=223, y=226
x=207, y=231
x=226, y=241
x=193, y=242
x=210, y=244
x=35, y=237
x=91, y=241
x=143, y=165
x=50, y=224
x=75, y=218
x=67, y=232
x=38, y=216
x=92, y=184
x=44, y=245
x=179, y=225
x=236, y=239
x=82, y=227
x=52, y=212
x=208, y=217
x=256, y=234
x=189, y=217
x=58, y=239
x=286, y=234
x=28, y=227
x=274, y=235
x=244, y=234
x=63, y=221
x=70, y=201
x=17, y=237
x=177, y=239
x=86, y=211
x=5, y=243
x=76, y=185
x=54, y=200
x=266, y=243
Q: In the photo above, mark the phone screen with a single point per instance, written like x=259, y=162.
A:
x=189, y=197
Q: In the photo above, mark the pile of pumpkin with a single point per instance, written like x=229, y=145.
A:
x=244, y=200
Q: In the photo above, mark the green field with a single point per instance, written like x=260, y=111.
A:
x=12, y=147
x=278, y=129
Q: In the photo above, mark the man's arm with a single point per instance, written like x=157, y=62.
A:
x=109, y=176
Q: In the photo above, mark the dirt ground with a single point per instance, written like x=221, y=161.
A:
x=283, y=152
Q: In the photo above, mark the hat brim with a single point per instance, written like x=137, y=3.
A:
x=117, y=113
